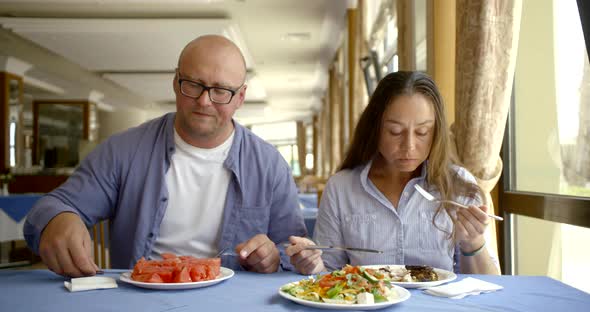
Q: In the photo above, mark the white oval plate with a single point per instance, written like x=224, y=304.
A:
x=224, y=273
x=444, y=277
x=403, y=293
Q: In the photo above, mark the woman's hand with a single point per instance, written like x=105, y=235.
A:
x=304, y=260
x=471, y=225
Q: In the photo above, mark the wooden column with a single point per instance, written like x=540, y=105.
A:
x=301, y=147
x=315, y=127
x=333, y=135
x=405, y=25
x=354, y=38
x=323, y=149
x=443, y=27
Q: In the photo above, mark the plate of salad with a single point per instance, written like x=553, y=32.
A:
x=351, y=288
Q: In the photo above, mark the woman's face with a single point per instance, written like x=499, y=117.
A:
x=407, y=131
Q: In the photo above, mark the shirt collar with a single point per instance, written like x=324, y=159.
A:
x=231, y=162
x=364, y=175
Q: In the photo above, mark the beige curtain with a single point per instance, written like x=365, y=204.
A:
x=487, y=41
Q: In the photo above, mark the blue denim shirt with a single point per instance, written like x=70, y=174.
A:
x=123, y=180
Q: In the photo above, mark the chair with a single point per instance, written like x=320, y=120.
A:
x=101, y=249
x=320, y=193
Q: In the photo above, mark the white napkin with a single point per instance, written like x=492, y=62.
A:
x=466, y=287
x=90, y=283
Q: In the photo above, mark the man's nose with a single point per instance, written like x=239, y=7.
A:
x=203, y=99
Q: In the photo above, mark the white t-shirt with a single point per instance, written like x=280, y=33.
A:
x=197, y=186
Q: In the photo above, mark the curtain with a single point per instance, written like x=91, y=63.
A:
x=487, y=42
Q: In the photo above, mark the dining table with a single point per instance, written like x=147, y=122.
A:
x=309, y=208
x=42, y=290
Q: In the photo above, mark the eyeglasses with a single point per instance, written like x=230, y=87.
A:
x=194, y=90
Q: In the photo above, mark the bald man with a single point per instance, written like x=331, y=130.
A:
x=192, y=182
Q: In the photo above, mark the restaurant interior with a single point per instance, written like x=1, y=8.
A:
x=514, y=75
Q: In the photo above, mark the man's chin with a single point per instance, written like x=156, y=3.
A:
x=200, y=129
x=202, y=132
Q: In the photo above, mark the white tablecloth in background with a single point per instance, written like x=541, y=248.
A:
x=9, y=229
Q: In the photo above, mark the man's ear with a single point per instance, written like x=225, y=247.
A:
x=175, y=85
x=242, y=95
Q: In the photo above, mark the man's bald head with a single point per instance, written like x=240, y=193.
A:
x=213, y=44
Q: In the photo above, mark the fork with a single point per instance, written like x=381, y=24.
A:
x=225, y=252
x=430, y=197
x=319, y=247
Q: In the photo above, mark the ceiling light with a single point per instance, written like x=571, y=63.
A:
x=103, y=2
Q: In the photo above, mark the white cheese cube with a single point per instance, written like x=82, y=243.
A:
x=365, y=298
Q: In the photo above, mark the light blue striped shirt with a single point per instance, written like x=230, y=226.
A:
x=354, y=213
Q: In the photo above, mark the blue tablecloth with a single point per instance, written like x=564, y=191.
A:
x=44, y=291
x=17, y=206
x=308, y=200
x=309, y=203
x=309, y=216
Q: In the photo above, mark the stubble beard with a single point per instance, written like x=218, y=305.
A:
x=201, y=127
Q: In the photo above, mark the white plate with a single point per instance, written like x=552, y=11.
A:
x=224, y=273
x=403, y=293
x=444, y=277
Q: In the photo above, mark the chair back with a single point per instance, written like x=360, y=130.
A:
x=100, y=238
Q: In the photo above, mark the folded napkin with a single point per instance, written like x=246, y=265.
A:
x=466, y=287
x=90, y=283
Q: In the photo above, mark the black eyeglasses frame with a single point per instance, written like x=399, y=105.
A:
x=207, y=88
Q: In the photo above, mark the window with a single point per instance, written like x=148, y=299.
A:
x=548, y=154
x=289, y=152
x=420, y=34
x=12, y=141
x=385, y=42
x=283, y=136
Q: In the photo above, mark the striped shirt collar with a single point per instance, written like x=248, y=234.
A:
x=364, y=175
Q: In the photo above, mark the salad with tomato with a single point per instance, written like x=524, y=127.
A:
x=350, y=285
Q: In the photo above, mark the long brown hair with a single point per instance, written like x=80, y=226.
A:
x=440, y=174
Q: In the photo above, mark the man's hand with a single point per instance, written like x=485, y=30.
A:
x=305, y=261
x=65, y=246
x=259, y=254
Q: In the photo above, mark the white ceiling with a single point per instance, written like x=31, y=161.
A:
x=124, y=52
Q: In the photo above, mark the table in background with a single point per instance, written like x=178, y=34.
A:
x=13, y=209
x=309, y=204
x=41, y=290
x=308, y=200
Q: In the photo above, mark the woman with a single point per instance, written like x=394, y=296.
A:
x=401, y=139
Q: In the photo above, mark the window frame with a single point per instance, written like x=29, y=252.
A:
x=573, y=210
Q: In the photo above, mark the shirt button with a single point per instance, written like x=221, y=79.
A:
x=406, y=194
x=164, y=199
x=151, y=235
